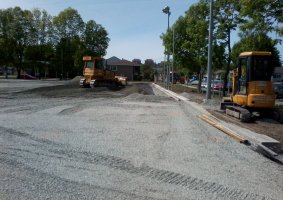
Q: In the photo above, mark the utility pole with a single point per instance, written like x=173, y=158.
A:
x=173, y=56
x=166, y=10
x=209, y=60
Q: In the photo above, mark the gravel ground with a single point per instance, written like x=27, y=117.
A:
x=265, y=126
x=65, y=142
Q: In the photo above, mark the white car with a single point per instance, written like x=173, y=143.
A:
x=194, y=82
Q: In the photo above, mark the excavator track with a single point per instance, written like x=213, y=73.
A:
x=239, y=112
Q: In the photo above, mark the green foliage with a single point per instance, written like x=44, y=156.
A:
x=190, y=38
x=34, y=39
x=6, y=43
x=262, y=16
x=68, y=24
x=68, y=27
x=227, y=18
x=95, y=39
x=254, y=20
x=17, y=33
x=147, y=70
x=259, y=42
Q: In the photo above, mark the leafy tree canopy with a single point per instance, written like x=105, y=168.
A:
x=35, y=37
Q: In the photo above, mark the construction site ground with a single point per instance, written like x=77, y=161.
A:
x=264, y=126
x=60, y=141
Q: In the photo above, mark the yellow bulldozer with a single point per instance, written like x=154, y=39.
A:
x=96, y=73
x=252, y=88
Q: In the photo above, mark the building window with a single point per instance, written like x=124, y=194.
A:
x=114, y=68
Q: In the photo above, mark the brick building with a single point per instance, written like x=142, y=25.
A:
x=124, y=67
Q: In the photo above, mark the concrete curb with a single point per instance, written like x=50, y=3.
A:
x=262, y=144
x=170, y=93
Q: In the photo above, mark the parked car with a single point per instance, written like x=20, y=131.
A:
x=278, y=89
x=204, y=86
x=216, y=85
x=27, y=77
x=193, y=82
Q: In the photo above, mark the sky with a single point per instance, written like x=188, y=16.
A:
x=134, y=26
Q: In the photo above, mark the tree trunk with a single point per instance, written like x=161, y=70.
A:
x=20, y=66
x=200, y=77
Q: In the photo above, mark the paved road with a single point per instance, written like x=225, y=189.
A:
x=134, y=147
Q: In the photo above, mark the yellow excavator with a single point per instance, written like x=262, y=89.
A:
x=252, y=88
x=97, y=73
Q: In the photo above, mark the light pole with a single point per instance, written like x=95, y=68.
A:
x=173, y=56
x=209, y=60
x=166, y=10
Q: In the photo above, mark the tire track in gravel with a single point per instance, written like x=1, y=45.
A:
x=59, y=187
x=164, y=176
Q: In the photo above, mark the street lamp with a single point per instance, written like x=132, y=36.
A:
x=166, y=10
x=209, y=60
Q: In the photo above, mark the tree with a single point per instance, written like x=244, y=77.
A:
x=95, y=39
x=190, y=39
x=6, y=44
x=42, y=23
x=34, y=38
x=40, y=53
x=147, y=69
x=227, y=19
x=260, y=42
x=68, y=24
x=68, y=27
x=262, y=16
x=198, y=32
x=17, y=33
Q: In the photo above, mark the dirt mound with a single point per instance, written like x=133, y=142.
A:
x=72, y=89
x=74, y=81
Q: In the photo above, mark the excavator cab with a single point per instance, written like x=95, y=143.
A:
x=252, y=80
x=95, y=62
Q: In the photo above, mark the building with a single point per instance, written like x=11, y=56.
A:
x=124, y=67
x=277, y=74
